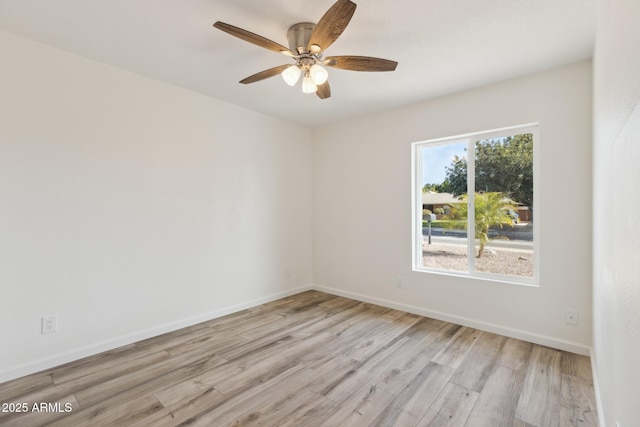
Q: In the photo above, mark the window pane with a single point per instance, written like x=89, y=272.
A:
x=444, y=181
x=503, y=205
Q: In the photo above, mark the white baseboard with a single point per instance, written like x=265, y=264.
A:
x=95, y=348
x=99, y=347
x=559, y=344
x=596, y=389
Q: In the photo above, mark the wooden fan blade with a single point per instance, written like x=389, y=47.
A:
x=360, y=63
x=331, y=25
x=253, y=38
x=265, y=74
x=324, y=90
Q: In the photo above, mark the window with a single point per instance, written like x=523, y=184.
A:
x=489, y=232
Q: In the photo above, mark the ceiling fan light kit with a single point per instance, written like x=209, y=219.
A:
x=307, y=43
x=308, y=85
x=318, y=73
x=291, y=75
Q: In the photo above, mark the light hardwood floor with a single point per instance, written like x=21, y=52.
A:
x=314, y=359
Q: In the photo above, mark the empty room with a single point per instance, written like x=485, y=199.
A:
x=319, y=213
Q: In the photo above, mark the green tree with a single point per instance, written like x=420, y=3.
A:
x=491, y=210
x=429, y=187
x=502, y=165
x=456, y=178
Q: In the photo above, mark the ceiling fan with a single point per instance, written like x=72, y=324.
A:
x=307, y=44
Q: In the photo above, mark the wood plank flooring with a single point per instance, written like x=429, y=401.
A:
x=313, y=359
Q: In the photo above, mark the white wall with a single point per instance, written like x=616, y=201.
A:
x=616, y=234
x=362, y=208
x=129, y=207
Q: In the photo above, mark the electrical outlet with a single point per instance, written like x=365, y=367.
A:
x=49, y=324
x=571, y=317
x=286, y=273
x=399, y=283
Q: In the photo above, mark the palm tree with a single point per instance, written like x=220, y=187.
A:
x=491, y=209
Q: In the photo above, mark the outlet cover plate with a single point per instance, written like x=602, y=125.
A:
x=49, y=324
x=571, y=317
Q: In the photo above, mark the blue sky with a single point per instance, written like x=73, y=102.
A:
x=436, y=158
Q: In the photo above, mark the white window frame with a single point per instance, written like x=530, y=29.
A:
x=416, y=200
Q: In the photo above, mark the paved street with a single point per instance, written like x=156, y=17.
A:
x=509, y=239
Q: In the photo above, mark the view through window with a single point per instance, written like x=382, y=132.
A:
x=488, y=232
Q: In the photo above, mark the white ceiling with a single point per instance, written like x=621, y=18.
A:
x=442, y=46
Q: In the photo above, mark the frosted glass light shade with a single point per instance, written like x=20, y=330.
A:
x=319, y=74
x=291, y=75
x=308, y=86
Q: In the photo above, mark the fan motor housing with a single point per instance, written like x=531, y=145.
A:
x=298, y=36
